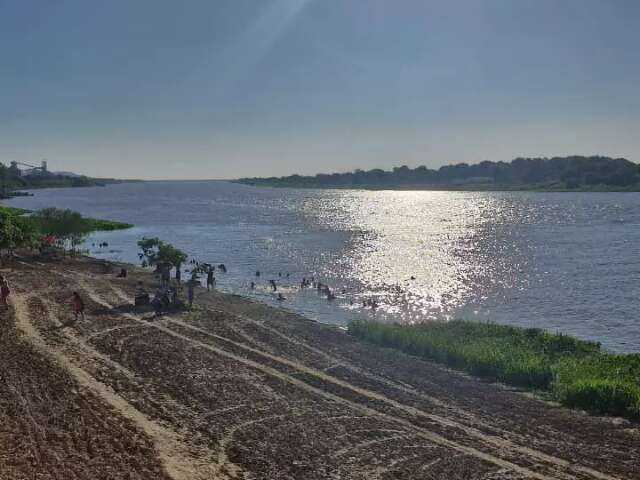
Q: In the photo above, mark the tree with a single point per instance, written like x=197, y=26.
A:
x=68, y=226
x=16, y=232
x=161, y=254
x=149, y=247
x=4, y=175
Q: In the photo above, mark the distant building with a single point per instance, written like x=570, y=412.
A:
x=30, y=170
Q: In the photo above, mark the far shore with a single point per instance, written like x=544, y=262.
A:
x=453, y=188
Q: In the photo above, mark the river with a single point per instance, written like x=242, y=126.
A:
x=567, y=262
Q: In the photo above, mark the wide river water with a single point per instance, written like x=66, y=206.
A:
x=567, y=262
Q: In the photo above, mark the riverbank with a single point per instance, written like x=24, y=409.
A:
x=237, y=389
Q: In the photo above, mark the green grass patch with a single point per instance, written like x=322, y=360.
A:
x=90, y=224
x=13, y=211
x=575, y=372
x=95, y=224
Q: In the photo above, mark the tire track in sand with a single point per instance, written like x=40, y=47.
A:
x=560, y=463
x=171, y=450
x=560, y=468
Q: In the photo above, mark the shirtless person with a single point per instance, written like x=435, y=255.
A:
x=78, y=306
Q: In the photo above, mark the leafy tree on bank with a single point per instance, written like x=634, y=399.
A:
x=68, y=226
x=157, y=253
x=16, y=232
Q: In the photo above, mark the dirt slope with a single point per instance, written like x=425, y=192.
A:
x=236, y=389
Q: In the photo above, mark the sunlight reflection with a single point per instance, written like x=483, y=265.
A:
x=418, y=254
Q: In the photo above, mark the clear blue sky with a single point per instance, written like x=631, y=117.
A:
x=222, y=89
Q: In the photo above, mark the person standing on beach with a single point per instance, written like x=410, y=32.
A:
x=190, y=292
x=78, y=306
x=4, y=292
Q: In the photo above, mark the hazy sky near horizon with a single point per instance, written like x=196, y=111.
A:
x=223, y=89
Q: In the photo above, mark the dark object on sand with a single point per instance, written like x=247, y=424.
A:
x=166, y=300
x=106, y=267
x=141, y=297
x=142, y=300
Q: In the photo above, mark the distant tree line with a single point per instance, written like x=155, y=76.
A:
x=572, y=172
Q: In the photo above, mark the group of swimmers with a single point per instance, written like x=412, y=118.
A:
x=166, y=296
x=209, y=269
x=322, y=288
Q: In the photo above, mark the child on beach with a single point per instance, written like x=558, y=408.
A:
x=78, y=306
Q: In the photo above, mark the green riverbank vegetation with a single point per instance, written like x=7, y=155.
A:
x=63, y=228
x=576, y=373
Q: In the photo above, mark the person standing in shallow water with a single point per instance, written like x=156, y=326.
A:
x=210, y=280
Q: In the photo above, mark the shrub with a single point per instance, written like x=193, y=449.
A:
x=605, y=396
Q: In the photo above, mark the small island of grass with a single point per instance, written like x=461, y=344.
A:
x=88, y=223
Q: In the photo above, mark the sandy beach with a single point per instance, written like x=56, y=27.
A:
x=235, y=389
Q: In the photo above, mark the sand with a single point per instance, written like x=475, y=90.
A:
x=235, y=389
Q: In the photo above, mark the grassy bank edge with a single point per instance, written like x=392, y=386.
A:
x=92, y=224
x=576, y=373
